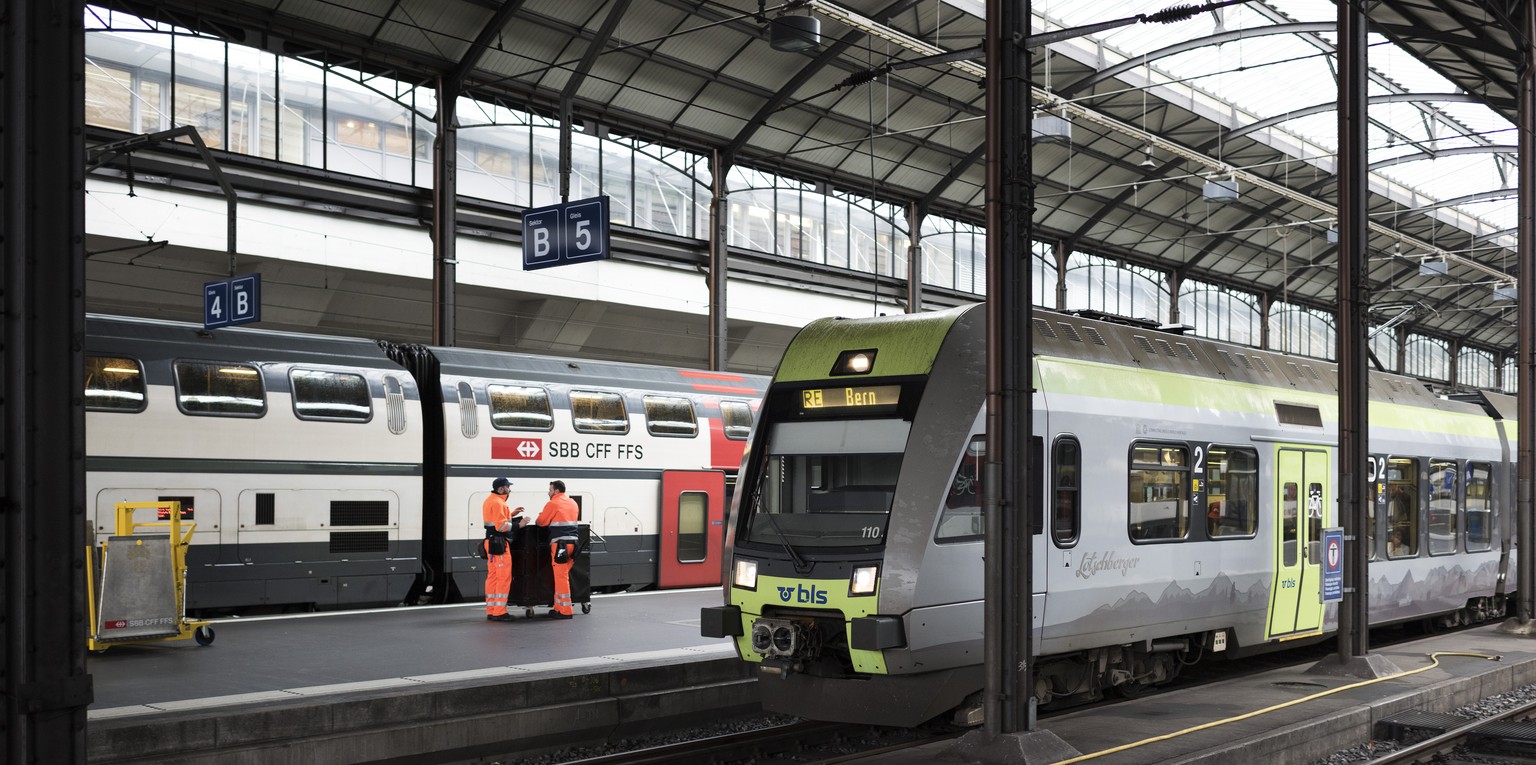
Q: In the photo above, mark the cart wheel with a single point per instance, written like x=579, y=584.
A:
x=203, y=635
x=528, y=613
x=586, y=608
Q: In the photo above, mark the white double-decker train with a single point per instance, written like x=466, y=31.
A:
x=326, y=472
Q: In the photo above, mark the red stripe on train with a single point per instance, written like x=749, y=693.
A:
x=725, y=389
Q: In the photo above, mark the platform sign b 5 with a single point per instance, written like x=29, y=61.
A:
x=572, y=232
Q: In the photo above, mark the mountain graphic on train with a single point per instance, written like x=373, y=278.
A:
x=1181, y=492
x=330, y=472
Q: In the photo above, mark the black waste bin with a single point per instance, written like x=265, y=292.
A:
x=533, y=581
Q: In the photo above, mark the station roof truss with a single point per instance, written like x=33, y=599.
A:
x=890, y=105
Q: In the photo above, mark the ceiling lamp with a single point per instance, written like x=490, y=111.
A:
x=1219, y=192
x=1429, y=267
x=1049, y=128
x=794, y=33
x=1505, y=293
x=1146, y=157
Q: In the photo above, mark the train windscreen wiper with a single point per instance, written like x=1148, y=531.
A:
x=800, y=565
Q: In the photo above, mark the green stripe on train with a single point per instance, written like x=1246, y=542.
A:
x=1121, y=383
x=907, y=344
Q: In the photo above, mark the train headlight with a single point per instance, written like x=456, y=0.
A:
x=864, y=580
x=746, y=574
x=854, y=362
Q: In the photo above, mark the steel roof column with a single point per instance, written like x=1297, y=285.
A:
x=1353, y=455
x=915, y=214
x=719, y=256
x=44, y=686
x=1525, y=370
x=445, y=214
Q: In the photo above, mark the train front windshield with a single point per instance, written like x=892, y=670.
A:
x=826, y=484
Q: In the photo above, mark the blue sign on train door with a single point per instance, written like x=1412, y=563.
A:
x=1333, y=565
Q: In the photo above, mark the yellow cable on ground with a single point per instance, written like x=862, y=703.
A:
x=1434, y=663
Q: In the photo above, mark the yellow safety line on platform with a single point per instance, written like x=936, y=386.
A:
x=1293, y=702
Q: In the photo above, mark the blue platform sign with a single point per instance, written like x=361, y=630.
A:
x=232, y=301
x=1333, y=565
x=572, y=232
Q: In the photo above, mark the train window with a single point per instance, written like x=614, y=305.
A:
x=1402, y=507
x=519, y=407
x=597, y=412
x=961, y=518
x=1289, y=504
x=322, y=395
x=738, y=419
x=1232, y=492
x=1479, y=506
x=188, y=512
x=1066, y=512
x=692, y=527
x=114, y=384
x=1158, y=497
x=826, y=484
x=670, y=416
x=1444, y=500
x=469, y=413
x=220, y=388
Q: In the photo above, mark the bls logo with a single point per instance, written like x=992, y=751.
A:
x=802, y=594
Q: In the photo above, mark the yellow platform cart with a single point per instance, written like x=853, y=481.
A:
x=138, y=593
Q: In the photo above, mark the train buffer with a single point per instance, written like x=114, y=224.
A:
x=137, y=591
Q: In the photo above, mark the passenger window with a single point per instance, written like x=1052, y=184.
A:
x=335, y=396
x=692, y=527
x=1232, y=492
x=1158, y=497
x=1479, y=507
x=518, y=407
x=1443, y=501
x=114, y=384
x=670, y=416
x=737, y=416
x=596, y=412
x=1288, y=506
x=1370, y=516
x=1402, y=507
x=218, y=388
x=961, y=518
x=1066, y=512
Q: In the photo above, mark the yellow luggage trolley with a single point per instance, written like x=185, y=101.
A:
x=142, y=586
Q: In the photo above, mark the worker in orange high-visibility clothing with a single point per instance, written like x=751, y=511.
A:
x=500, y=521
x=560, y=515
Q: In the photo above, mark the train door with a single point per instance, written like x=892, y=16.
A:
x=692, y=516
x=1301, y=485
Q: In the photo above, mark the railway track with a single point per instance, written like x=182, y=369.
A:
x=1508, y=738
x=802, y=742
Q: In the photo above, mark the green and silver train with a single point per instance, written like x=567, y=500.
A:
x=1183, y=481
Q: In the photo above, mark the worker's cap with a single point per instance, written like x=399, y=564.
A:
x=499, y=482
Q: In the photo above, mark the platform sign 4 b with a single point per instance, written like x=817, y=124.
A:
x=571, y=232
x=235, y=300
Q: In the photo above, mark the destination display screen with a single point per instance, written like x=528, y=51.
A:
x=850, y=397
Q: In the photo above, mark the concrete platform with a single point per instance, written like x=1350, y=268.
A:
x=1285, y=717
x=430, y=684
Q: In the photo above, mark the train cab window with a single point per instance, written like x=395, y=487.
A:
x=825, y=484
x=737, y=416
x=598, y=412
x=1479, y=507
x=334, y=396
x=1066, y=508
x=692, y=527
x=114, y=384
x=1158, y=496
x=518, y=407
x=961, y=517
x=670, y=416
x=1232, y=492
x=469, y=412
x=1402, y=507
x=220, y=389
x=1444, y=501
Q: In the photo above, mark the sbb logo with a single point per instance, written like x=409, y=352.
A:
x=803, y=594
x=517, y=448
